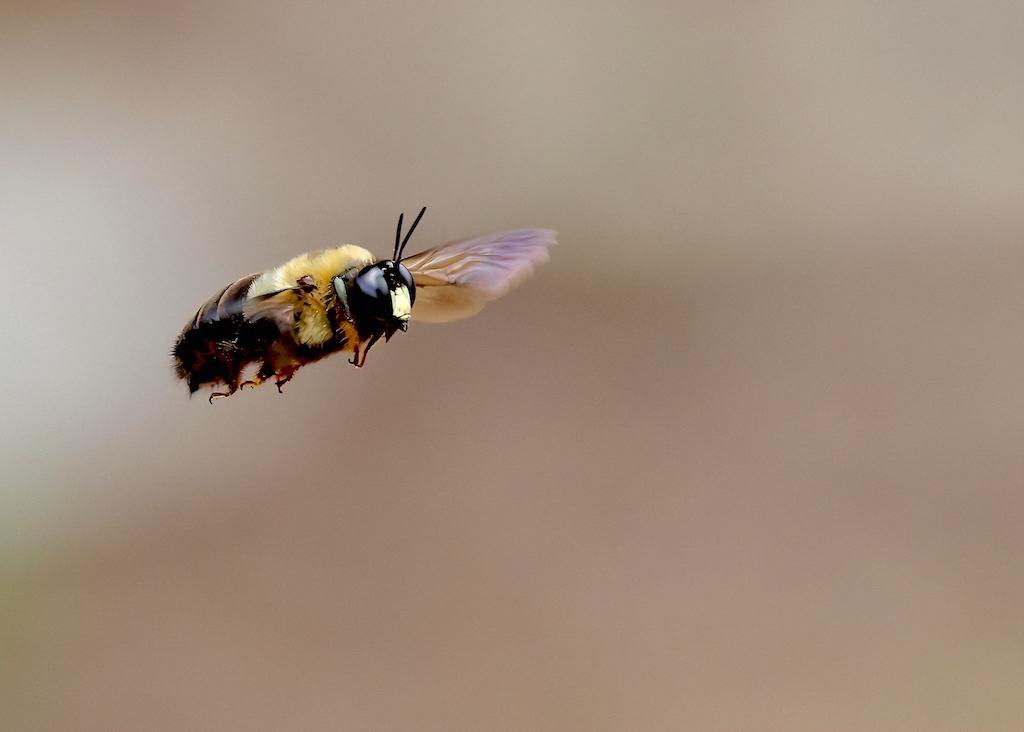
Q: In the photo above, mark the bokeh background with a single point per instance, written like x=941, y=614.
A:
x=748, y=454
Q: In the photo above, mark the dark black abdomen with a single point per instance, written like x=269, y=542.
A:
x=219, y=342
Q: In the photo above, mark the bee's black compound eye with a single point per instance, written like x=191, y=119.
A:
x=407, y=278
x=371, y=281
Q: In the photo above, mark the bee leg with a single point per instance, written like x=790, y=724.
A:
x=251, y=382
x=222, y=394
x=255, y=381
x=259, y=377
x=283, y=378
x=359, y=357
x=231, y=382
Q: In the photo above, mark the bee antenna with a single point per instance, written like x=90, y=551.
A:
x=398, y=236
x=400, y=249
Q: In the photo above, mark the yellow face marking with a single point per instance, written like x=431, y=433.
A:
x=401, y=305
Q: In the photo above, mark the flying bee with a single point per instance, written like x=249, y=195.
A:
x=342, y=299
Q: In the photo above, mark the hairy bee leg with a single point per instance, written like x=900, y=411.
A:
x=232, y=387
x=359, y=357
x=283, y=378
x=355, y=360
x=260, y=377
x=255, y=381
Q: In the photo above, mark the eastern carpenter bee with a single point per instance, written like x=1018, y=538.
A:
x=275, y=322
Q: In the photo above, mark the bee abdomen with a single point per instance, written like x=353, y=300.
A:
x=219, y=343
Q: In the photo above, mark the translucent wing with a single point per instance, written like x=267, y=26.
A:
x=278, y=307
x=228, y=302
x=455, y=280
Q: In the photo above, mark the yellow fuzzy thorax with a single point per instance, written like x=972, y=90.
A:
x=312, y=326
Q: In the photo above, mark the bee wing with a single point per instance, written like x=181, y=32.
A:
x=228, y=302
x=278, y=307
x=455, y=280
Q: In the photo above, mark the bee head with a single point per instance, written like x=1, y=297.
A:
x=379, y=298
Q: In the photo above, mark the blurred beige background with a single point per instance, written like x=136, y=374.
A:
x=748, y=454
